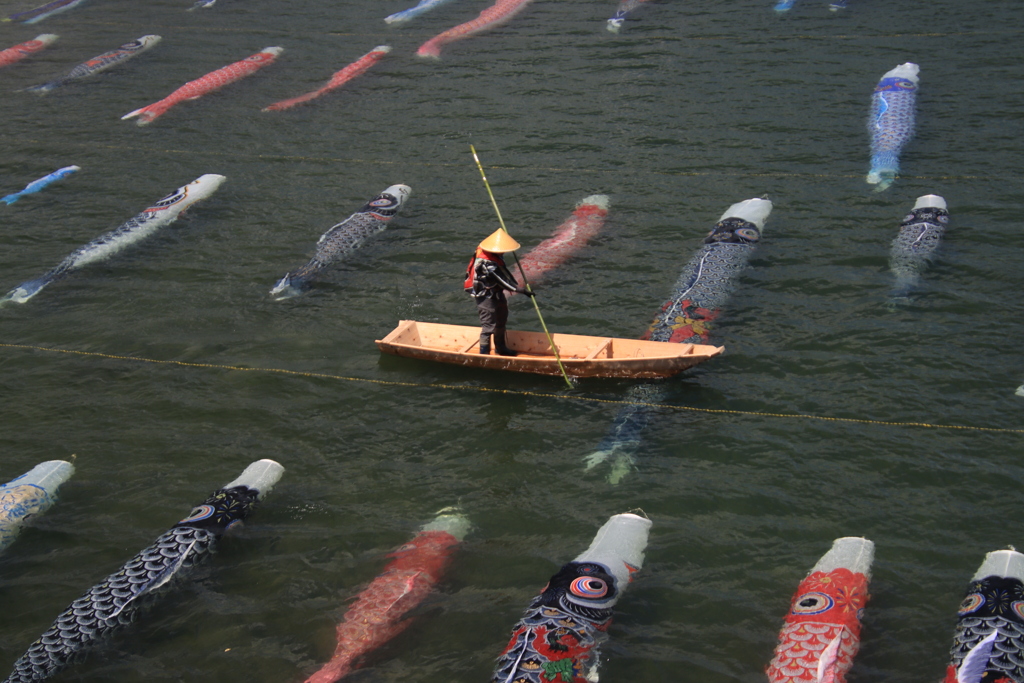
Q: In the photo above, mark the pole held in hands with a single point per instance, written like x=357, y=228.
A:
x=526, y=284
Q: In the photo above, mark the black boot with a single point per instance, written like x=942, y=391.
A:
x=485, y=344
x=499, y=344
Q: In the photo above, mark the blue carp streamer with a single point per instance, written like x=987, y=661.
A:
x=919, y=236
x=891, y=123
x=413, y=12
x=343, y=239
x=116, y=601
x=48, y=10
x=31, y=494
x=37, y=185
x=702, y=289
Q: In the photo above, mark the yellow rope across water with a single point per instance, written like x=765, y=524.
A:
x=513, y=392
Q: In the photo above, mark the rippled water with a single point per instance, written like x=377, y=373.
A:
x=692, y=107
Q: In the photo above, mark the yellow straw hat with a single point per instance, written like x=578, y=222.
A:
x=498, y=242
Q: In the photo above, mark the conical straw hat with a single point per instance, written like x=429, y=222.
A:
x=498, y=242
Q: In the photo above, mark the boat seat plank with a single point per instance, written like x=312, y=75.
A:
x=603, y=346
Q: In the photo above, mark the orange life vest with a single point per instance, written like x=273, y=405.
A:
x=471, y=269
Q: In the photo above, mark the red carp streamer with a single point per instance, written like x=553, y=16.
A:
x=356, y=68
x=377, y=614
x=822, y=631
x=215, y=80
x=19, y=52
x=571, y=236
x=495, y=15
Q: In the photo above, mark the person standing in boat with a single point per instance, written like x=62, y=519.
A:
x=487, y=280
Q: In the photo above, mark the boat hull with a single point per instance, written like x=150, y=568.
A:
x=582, y=356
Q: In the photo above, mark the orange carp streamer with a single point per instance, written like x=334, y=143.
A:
x=22, y=50
x=340, y=78
x=495, y=15
x=215, y=80
x=378, y=613
x=571, y=236
x=822, y=631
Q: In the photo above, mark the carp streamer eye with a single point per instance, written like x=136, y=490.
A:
x=971, y=603
x=812, y=603
x=1018, y=608
x=748, y=234
x=383, y=201
x=200, y=513
x=589, y=587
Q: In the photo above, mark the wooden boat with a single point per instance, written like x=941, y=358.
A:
x=582, y=356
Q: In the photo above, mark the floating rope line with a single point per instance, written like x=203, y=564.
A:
x=504, y=167
x=512, y=392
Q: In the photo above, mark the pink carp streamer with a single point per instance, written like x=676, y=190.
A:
x=495, y=15
x=822, y=631
x=571, y=236
x=215, y=80
x=377, y=614
x=340, y=78
x=19, y=52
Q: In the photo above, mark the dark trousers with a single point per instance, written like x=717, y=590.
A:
x=493, y=313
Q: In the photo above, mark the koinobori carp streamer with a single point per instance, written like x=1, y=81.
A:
x=340, y=78
x=41, y=183
x=569, y=237
x=380, y=610
x=989, y=640
x=164, y=212
x=495, y=15
x=215, y=80
x=892, y=121
x=918, y=238
x=822, y=631
x=101, y=63
x=115, y=602
x=31, y=494
x=17, y=53
x=685, y=318
x=557, y=639
x=344, y=238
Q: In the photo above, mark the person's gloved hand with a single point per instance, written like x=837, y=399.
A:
x=527, y=292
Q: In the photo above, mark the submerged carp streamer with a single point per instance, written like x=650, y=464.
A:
x=343, y=239
x=101, y=63
x=164, y=212
x=891, y=122
x=702, y=289
x=919, y=237
x=379, y=612
x=41, y=183
x=17, y=53
x=557, y=639
x=495, y=15
x=822, y=631
x=340, y=78
x=31, y=494
x=215, y=80
x=115, y=602
x=585, y=222
x=989, y=640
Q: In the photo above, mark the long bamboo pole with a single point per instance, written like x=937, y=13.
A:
x=536, y=307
